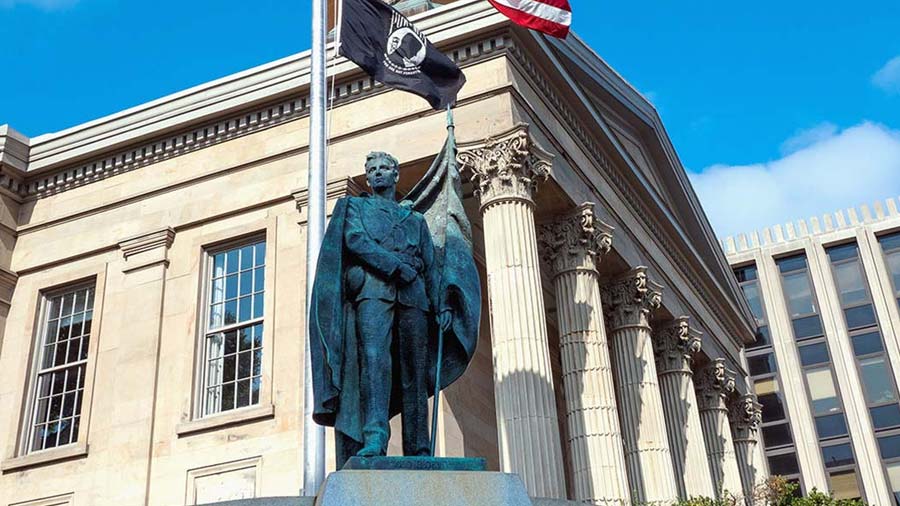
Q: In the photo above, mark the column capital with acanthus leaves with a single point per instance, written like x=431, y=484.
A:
x=506, y=167
x=575, y=241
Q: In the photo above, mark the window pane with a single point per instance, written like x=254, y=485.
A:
x=876, y=379
x=57, y=396
x=889, y=446
x=799, y=294
x=870, y=342
x=770, y=397
x=893, y=472
x=745, y=273
x=850, y=283
x=813, y=354
x=784, y=465
x=822, y=392
x=837, y=455
x=828, y=426
x=751, y=293
x=762, y=338
x=843, y=252
x=859, y=317
x=762, y=364
x=893, y=261
x=791, y=263
x=890, y=241
x=885, y=416
x=777, y=435
x=844, y=485
x=811, y=326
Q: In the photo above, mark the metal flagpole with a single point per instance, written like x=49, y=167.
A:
x=314, y=434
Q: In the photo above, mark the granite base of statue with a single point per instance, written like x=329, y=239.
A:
x=413, y=481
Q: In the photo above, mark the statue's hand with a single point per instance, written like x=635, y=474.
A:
x=407, y=273
x=445, y=319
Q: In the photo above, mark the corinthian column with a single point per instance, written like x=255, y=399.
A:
x=506, y=172
x=715, y=384
x=628, y=302
x=746, y=416
x=573, y=246
x=675, y=346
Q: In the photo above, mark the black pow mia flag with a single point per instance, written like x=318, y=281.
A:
x=390, y=49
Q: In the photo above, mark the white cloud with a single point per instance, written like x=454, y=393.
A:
x=47, y=5
x=825, y=170
x=888, y=77
x=806, y=138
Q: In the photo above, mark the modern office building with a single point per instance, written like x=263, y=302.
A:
x=826, y=364
x=152, y=266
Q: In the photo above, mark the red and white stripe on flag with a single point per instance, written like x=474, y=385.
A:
x=552, y=17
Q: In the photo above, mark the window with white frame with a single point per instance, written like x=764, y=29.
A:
x=233, y=337
x=65, y=333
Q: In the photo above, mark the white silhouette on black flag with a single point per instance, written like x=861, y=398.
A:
x=390, y=49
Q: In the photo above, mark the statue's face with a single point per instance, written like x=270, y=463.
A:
x=381, y=173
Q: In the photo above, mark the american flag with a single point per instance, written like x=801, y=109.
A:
x=552, y=17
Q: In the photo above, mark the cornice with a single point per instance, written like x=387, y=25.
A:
x=618, y=180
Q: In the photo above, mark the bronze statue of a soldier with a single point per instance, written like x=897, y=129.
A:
x=389, y=292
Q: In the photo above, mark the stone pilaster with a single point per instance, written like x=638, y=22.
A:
x=715, y=384
x=134, y=310
x=746, y=417
x=628, y=302
x=573, y=246
x=675, y=346
x=505, y=172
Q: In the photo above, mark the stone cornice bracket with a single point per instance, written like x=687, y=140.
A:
x=675, y=345
x=507, y=167
x=147, y=249
x=715, y=383
x=629, y=299
x=15, y=150
x=745, y=414
x=334, y=189
x=575, y=242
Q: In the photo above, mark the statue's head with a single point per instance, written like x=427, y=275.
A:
x=382, y=170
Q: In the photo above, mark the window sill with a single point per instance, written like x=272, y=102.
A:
x=44, y=457
x=233, y=417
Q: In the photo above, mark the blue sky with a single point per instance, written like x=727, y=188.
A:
x=779, y=110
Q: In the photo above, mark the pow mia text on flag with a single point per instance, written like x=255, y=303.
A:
x=390, y=49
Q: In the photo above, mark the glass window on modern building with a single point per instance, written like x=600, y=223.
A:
x=62, y=356
x=815, y=359
x=865, y=336
x=890, y=244
x=232, y=345
x=776, y=430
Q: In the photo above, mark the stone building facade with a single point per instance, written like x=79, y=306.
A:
x=825, y=294
x=152, y=274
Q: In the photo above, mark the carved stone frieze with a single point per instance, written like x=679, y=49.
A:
x=715, y=383
x=574, y=242
x=629, y=300
x=745, y=414
x=675, y=345
x=507, y=167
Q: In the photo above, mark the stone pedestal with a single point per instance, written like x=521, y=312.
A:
x=675, y=346
x=715, y=384
x=628, y=302
x=746, y=417
x=573, y=246
x=506, y=172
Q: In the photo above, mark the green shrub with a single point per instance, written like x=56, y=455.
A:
x=776, y=491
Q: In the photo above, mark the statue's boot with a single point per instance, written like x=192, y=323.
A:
x=375, y=446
